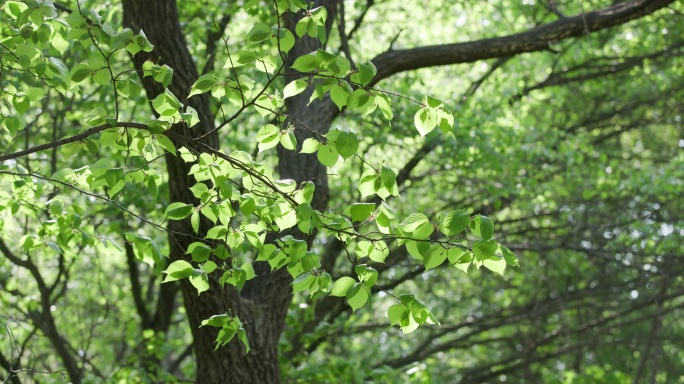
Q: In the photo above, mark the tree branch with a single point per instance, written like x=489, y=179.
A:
x=136, y=289
x=214, y=34
x=68, y=140
x=44, y=319
x=359, y=19
x=537, y=39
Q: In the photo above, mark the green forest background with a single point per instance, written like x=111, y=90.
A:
x=560, y=125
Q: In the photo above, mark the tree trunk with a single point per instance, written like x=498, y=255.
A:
x=262, y=305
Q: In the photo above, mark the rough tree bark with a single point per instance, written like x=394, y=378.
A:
x=264, y=301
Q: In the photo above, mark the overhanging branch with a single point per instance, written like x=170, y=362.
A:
x=537, y=39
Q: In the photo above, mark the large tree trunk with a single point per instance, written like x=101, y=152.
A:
x=263, y=303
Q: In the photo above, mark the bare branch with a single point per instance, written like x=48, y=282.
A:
x=136, y=289
x=214, y=34
x=537, y=39
x=359, y=20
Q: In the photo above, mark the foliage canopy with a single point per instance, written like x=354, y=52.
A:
x=279, y=165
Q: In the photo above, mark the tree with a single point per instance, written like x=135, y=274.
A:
x=73, y=80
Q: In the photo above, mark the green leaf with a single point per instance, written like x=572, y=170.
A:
x=102, y=77
x=200, y=252
x=303, y=25
x=303, y=282
x=435, y=257
x=216, y=321
x=57, y=66
x=201, y=283
x=454, y=222
x=288, y=140
x=339, y=95
x=417, y=249
x=384, y=104
x=413, y=222
x=397, y=313
x=225, y=335
x=266, y=252
x=455, y=254
x=178, y=270
x=283, y=37
x=378, y=251
x=268, y=137
x=481, y=226
x=242, y=335
x=306, y=63
x=460, y=260
x=305, y=193
x=360, y=211
x=495, y=264
x=295, y=87
x=285, y=216
x=484, y=249
x=178, y=211
x=258, y=33
x=357, y=296
x=166, y=104
x=375, y=250
x=359, y=99
x=166, y=143
x=95, y=116
x=510, y=257
x=80, y=72
x=195, y=221
x=217, y=232
x=424, y=121
x=367, y=183
x=203, y=84
x=341, y=286
x=389, y=183
x=365, y=74
x=15, y=123
x=346, y=144
x=327, y=155
x=310, y=145
x=21, y=104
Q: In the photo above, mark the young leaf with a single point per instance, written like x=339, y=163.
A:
x=178, y=270
x=268, y=137
x=288, y=140
x=306, y=63
x=435, y=257
x=327, y=155
x=166, y=143
x=454, y=222
x=341, y=286
x=178, y=211
x=484, y=249
x=397, y=313
x=295, y=87
x=361, y=211
x=482, y=227
x=347, y=144
x=357, y=296
x=310, y=145
x=339, y=96
x=201, y=283
x=424, y=121
x=195, y=220
x=203, y=84
x=510, y=257
x=495, y=264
